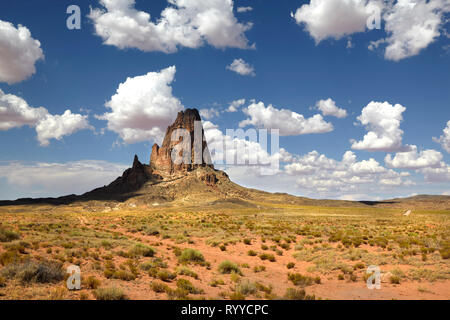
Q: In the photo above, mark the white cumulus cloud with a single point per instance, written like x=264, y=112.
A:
x=184, y=23
x=143, y=107
x=18, y=53
x=241, y=67
x=328, y=108
x=235, y=105
x=288, y=122
x=444, y=139
x=334, y=18
x=57, y=126
x=414, y=160
x=244, y=9
x=319, y=174
x=412, y=25
x=15, y=112
x=209, y=113
x=382, y=121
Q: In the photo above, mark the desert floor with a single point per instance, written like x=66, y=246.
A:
x=126, y=251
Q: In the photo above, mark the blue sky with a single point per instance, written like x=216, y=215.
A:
x=77, y=71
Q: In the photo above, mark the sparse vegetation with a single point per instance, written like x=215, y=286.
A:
x=110, y=293
x=229, y=267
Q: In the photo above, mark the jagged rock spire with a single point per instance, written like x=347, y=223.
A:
x=161, y=158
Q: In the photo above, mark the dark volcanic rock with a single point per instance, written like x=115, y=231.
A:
x=131, y=180
x=161, y=158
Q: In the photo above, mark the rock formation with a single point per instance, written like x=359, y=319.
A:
x=161, y=167
x=198, y=154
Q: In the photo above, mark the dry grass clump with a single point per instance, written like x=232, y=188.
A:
x=186, y=285
x=301, y=280
x=31, y=271
x=191, y=256
x=91, y=282
x=110, y=293
x=8, y=235
x=298, y=294
x=229, y=267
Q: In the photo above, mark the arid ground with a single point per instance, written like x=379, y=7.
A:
x=224, y=251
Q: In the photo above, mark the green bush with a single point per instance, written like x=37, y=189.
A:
x=191, y=255
x=252, y=253
x=187, y=272
x=267, y=256
x=290, y=265
x=229, y=267
x=186, y=285
x=141, y=250
x=300, y=280
x=165, y=275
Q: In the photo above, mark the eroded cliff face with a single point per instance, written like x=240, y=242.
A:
x=189, y=146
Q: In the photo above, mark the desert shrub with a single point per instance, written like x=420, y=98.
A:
x=246, y=288
x=247, y=241
x=19, y=246
x=165, y=275
x=84, y=296
x=290, y=265
x=257, y=269
x=237, y=296
x=151, y=231
x=159, y=287
x=264, y=247
x=267, y=256
x=8, y=257
x=295, y=294
x=223, y=247
x=110, y=293
x=285, y=246
x=252, y=253
x=394, y=279
x=266, y=289
x=177, y=294
x=445, y=253
x=300, y=280
x=155, y=263
x=58, y=293
x=216, y=282
x=8, y=235
x=229, y=267
x=30, y=271
x=359, y=265
x=2, y=282
x=191, y=255
x=141, y=250
x=341, y=277
x=124, y=275
x=92, y=282
x=188, y=286
x=187, y=272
